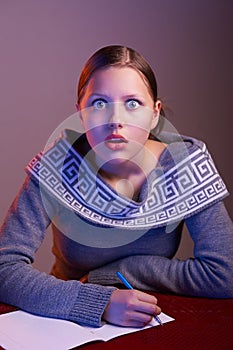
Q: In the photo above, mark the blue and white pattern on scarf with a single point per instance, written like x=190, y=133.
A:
x=187, y=187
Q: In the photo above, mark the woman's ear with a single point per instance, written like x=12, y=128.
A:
x=79, y=110
x=157, y=109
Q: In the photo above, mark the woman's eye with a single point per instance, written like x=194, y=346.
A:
x=132, y=104
x=99, y=104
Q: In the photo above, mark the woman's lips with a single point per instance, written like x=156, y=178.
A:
x=115, y=142
x=115, y=138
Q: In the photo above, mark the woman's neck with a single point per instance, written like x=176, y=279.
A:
x=128, y=176
x=126, y=181
x=119, y=169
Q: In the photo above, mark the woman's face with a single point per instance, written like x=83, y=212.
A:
x=117, y=113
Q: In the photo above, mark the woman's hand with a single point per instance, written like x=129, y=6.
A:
x=131, y=308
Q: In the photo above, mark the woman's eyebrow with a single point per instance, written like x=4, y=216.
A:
x=125, y=97
x=96, y=94
x=133, y=96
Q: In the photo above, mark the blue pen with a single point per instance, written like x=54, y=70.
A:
x=128, y=285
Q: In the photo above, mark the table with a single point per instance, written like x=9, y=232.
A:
x=199, y=324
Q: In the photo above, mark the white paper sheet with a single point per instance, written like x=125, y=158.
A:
x=20, y=330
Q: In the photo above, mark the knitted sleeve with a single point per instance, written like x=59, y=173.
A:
x=208, y=274
x=23, y=286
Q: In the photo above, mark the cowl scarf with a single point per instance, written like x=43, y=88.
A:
x=184, y=182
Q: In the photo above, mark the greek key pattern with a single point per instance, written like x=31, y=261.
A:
x=185, y=189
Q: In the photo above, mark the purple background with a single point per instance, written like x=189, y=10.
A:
x=44, y=44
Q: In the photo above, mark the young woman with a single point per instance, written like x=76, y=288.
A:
x=117, y=197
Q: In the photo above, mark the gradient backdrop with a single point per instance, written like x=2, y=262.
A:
x=44, y=44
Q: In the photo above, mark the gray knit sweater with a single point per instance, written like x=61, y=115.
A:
x=87, y=240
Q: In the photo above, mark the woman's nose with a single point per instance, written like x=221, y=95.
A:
x=116, y=119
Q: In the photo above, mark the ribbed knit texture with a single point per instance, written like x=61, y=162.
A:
x=90, y=304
